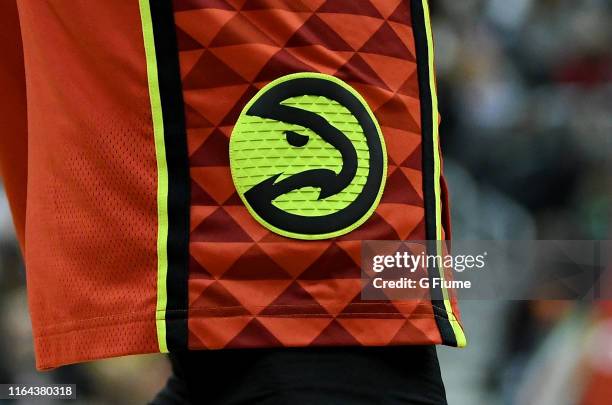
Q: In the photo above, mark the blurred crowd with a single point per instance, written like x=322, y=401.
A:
x=525, y=88
x=526, y=101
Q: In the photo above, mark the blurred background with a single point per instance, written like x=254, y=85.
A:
x=525, y=88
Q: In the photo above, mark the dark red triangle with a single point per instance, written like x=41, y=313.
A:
x=411, y=86
x=195, y=119
x=394, y=114
x=234, y=200
x=399, y=190
x=402, y=14
x=358, y=70
x=294, y=296
x=219, y=227
x=418, y=233
x=333, y=335
x=185, y=41
x=199, y=196
x=237, y=4
x=410, y=333
x=313, y=5
x=183, y=5
x=196, y=271
x=240, y=30
x=386, y=42
x=195, y=341
x=234, y=114
x=281, y=64
x=216, y=296
x=349, y=7
x=254, y=335
x=209, y=72
x=375, y=228
x=316, y=32
x=255, y=264
x=414, y=161
x=213, y=152
x=333, y=263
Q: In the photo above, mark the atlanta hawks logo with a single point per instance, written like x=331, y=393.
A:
x=308, y=158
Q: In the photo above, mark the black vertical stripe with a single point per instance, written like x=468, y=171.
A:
x=428, y=162
x=177, y=157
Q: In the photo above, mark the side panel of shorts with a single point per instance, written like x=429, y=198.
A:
x=91, y=222
x=249, y=287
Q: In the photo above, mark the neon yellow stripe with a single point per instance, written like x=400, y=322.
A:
x=162, y=173
x=459, y=335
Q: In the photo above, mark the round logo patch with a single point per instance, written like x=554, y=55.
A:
x=308, y=158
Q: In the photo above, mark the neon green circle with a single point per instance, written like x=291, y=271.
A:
x=259, y=151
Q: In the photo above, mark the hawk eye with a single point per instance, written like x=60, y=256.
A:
x=295, y=139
